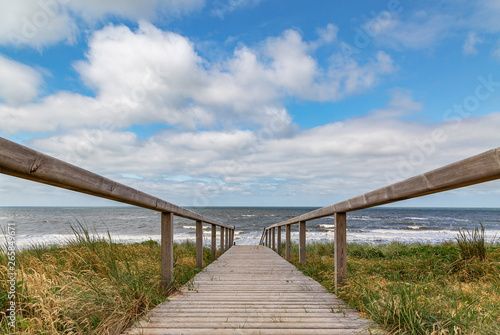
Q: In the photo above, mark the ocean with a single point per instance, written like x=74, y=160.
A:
x=52, y=225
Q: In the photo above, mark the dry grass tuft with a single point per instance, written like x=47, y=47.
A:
x=416, y=288
x=90, y=286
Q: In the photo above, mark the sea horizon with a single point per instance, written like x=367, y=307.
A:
x=37, y=225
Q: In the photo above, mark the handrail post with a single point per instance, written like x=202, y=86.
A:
x=227, y=239
x=302, y=242
x=214, y=242
x=266, y=237
x=221, y=240
x=288, y=234
x=199, y=244
x=340, y=249
x=279, y=241
x=274, y=239
x=232, y=235
x=167, y=249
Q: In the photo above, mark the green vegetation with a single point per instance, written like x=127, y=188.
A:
x=451, y=288
x=89, y=286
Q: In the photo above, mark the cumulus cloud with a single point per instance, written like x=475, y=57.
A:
x=40, y=23
x=35, y=23
x=153, y=76
x=19, y=83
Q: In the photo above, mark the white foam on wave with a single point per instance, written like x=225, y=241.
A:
x=194, y=227
x=375, y=236
x=326, y=225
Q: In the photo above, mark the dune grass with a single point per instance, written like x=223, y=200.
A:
x=451, y=288
x=91, y=285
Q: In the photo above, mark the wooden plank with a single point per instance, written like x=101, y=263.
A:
x=340, y=250
x=280, y=301
x=22, y=162
x=167, y=249
x=302, y=242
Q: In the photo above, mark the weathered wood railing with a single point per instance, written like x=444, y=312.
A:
x=22, y=162
x=474, y=170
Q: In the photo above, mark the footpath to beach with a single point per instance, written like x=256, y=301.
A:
x=252, y=290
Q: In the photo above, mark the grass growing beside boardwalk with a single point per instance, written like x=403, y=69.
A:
x=416, y=288
x=91, y=285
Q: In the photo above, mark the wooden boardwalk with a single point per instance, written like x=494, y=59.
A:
x=252, y=290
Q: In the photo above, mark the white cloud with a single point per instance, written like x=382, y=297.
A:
x=45, y=22
x=327, y=35
x=469, y=47
x=153, y=76
x=35, y=23
x=19, y=83
x=421, y=30
x=335, y=161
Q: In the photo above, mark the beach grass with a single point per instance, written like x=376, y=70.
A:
x=91, y=285
x=417, y=288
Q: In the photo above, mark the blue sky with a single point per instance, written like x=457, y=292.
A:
x=251, y=102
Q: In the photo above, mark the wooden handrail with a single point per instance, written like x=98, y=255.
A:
x=474, y=170
x=22, y=162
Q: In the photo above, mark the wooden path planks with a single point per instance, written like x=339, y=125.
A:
x=252, y=290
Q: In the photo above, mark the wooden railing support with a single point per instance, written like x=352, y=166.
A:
x=279, y=241
x=232, y=235
x=199, y=244
x=288, y=234
x=222, y=240
x=340, y=249
x=227, y=240
x=267, y=238
x=213, y=248
x=167, y=249
x=302, y=242
x=274, y=238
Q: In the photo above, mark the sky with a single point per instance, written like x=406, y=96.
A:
x=251, y=102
